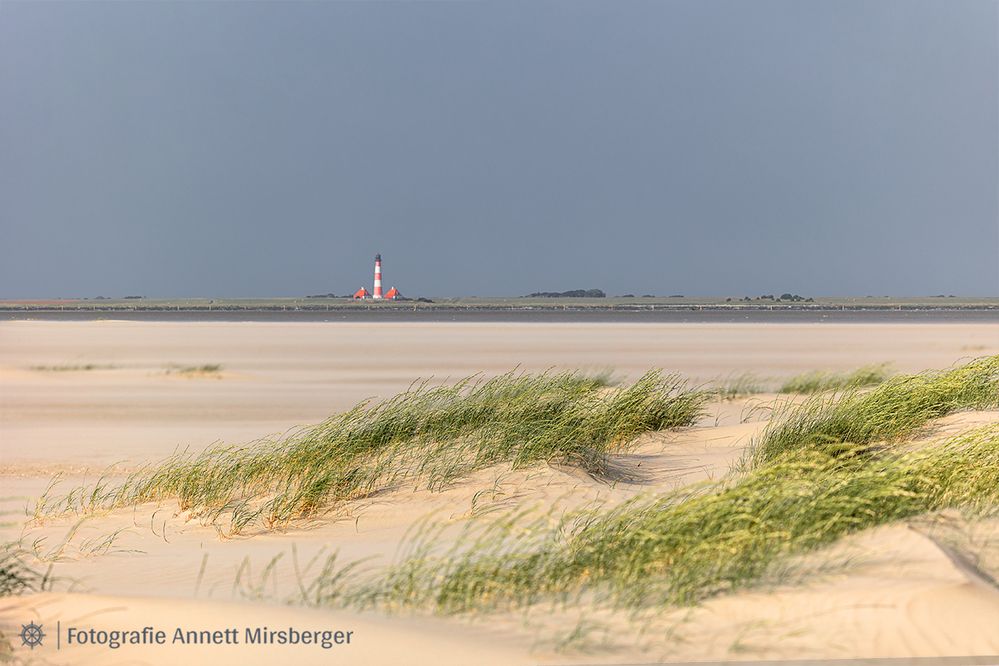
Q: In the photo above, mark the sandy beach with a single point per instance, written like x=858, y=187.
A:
x=135, y=405
x=77, y=397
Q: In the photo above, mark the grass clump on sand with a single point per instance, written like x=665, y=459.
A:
x=738, y=386
x=682, y=548
x=816, y=478
x=894, y=409
x=17, y=576
x=818, y=381
x=194, y=370
x=428, y=434
x=86, y=367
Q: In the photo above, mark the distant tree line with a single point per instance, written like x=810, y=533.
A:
x=789, y=298
x=574, y=293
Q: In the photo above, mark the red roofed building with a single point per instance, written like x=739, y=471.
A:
x=393, y=294
x=362, y=293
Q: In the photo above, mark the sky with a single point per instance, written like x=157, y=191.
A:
x=703, y=147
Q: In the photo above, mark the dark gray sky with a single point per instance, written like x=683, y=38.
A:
x=701, y=147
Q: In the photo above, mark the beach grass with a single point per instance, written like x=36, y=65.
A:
x=83, y=367
x=815, y=478
x=825, y=469
x=680, y=548
x=894, y=409
x=193, y=370
x=820, y=381
x=431, y=435
x=738, y=386
x=17, y=575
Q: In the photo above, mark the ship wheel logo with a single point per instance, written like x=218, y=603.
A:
x=32, y=634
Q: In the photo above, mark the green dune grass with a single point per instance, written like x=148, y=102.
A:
x=823, y=470
x=429, y=434
x=818, y=381
x=683, y=547
x=738, y=386
x=815, y=479
x=894, y=409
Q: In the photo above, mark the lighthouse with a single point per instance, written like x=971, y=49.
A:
x=392, y=295
x=377, y=295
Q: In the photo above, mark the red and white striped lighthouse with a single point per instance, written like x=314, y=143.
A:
x=378, y=277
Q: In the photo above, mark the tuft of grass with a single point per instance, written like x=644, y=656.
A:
x=429, y=434
x=73, y=368
x=684, y=547
x=17, y=576
x=738, y=386
x=819, y=382
x=205, y=369
x=894, y=409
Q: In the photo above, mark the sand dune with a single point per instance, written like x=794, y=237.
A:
x=896, y=595
x=889, y=592
x=892, y=591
